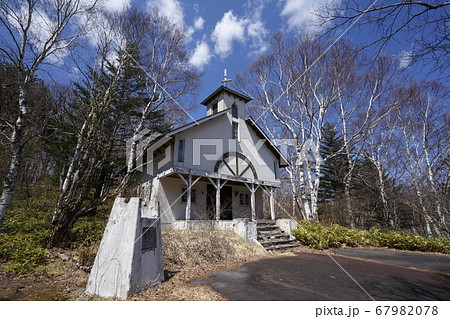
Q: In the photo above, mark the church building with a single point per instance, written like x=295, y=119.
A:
x=215, y=168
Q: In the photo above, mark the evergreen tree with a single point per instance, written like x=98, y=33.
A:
x=334, y=167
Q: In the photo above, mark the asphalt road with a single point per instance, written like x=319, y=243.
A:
x=309, y=276
x=438, y=263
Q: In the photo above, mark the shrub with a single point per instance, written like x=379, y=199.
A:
x=23, y=239
x=318, y=236
x=88, y=230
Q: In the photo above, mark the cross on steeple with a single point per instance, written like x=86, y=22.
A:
x=225, y=79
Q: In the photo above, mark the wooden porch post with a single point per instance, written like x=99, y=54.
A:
x=272, y=206
x=189, y=185
x=252, y=190
x=218, y=185
x=218, y=199
x=188, y=202
x=252, y=202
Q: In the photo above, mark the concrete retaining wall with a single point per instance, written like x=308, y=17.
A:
x=244, y=227
x=287, y=225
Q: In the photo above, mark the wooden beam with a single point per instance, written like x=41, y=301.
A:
x=218, y=199
x=271, y=191
x=272, y=204
x=252, y=190
x=218, y=185
x=241, y=179
x=252, y=202
x=188, y=202
x=183, y=179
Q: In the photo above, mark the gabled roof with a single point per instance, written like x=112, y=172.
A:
x=160, y=140
x=197, y=122
x=283, y=161
x=227, y=90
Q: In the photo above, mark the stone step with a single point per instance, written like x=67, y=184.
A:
x=266, y=221
x=267, y=227
x=269, y=223
x=276, y=242
x=271, y=237
x=276, y=236
x=281, y=247
x=269, y=233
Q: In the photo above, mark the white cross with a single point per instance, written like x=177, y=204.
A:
x=225, y=80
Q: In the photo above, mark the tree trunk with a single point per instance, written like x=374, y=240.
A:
x=348, y=202
x=61, y=230
x=16, y=155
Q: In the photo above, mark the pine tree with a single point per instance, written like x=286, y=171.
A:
x=334, y=167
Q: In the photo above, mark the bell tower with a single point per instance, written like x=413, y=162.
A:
x=225, y=98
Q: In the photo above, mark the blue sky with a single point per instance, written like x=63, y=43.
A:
x=225, y=34
x=229, y=34
x=232, y=34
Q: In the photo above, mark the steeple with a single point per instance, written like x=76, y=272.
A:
x=224, y=98
x=225, y=79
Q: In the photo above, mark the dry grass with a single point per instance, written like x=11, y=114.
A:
x=188, y=255
x=191, y=255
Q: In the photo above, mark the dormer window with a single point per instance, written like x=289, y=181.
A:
x=234, y=111
x=215, y=107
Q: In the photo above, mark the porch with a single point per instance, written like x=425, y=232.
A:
x=187, y=194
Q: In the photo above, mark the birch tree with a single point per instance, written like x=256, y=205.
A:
x=421, y=27
x=34, y=32
x=128, y=93
x=425, y=139
x=381, y=150
x=363, y=102
x=294, y=89
x=302, y=85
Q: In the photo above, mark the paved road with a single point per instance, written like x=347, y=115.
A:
x=438, y=263
x=309, y=276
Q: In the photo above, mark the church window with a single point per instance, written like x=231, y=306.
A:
x=234, y=111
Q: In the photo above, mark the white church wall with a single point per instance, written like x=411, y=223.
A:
x=168, y=192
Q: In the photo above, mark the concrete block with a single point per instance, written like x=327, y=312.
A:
x=129, y=258
x=287, y=225
x=246, y=228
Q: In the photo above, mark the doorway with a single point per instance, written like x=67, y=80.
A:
x=226, y=202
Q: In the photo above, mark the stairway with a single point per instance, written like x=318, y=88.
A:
x=272, y=238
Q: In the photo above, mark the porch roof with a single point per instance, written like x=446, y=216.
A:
x=200, y=173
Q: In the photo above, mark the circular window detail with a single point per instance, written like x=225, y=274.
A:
x=235, y=164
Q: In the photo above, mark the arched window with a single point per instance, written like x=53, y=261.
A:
x=234, y=111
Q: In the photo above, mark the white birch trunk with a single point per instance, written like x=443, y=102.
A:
x=16, y=155
x=425, y=216
x=382, y=189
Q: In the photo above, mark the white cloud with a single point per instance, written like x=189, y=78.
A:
x=201, y=55
x=300, y=13
x=250, y=29
x=257, y=33
x=116, y=5
x=198, y=23
x=41, y=30
x=405, y=59
x=170, y=8
x=226, y=31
